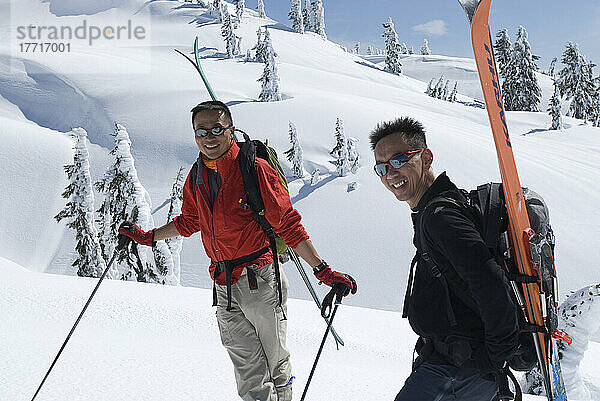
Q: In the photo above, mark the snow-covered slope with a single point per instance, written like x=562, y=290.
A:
x=364, y=231
x=141, y=342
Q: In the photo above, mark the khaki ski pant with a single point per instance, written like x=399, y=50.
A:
x=254, y=334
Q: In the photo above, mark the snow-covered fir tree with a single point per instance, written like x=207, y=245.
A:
x=439, y=88
x=430, y=87
x=503, y=52
x=340, y=151
x=175, y=244
x=125, y=199
x=216, y=9
x=452, y=97
x=353, y=156
x=370, y=50
x=307, y=16
x=357, y=48
x=552, y=67
x=231, y=39
x=79, y=210
x=295, y=15
x=575, y=82
x=270, y=79
x=596, y=119
x=425, y=48
x=319, y=18
x=259, y=48
x=554, y=109
x=526, y=90
x=445, y=91
x=411, y=50
x=294, y=154
x=261, y=9
x=403, y=48
x=239, y=9
x=392, y=48
x=314, y=177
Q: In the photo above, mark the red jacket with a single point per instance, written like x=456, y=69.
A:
x=229, y=231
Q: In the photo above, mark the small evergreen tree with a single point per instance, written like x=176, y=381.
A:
x=403, y=48
x=319, y=18
x=295, y=15
x=452, y=97
x=175, y=244
x=270, y=79
x=231, y=39
x=392, y=60
x=307, y=16
x=411, y=50
x=294, y=154
x=357, y=48
x=554, y=109
x=259, y=48
x=445, y=91
x=503, y=52
x=370, y=50
x=575, y=82
x=314, y=177
x=439, y=88
x=340, y=151
x=527, y=92
x=239, y=9
x=430, y=87
x=353, y=156
x=425, y=48
x=80, y=210
x=552, y=67
x=261, y=9
x=125, y=199
x=216, y=10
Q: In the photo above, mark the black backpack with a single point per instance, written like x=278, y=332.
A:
x=485, y=206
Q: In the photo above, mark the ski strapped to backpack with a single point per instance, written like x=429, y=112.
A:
x=486, y=208
x=521, y=237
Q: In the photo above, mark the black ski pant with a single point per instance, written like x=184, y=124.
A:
x=430, y=382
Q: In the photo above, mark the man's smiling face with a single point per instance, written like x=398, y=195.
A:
x=213, y=146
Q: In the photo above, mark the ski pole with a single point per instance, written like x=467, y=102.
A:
x=338, y=292
x=123, y=242
x=311, y=290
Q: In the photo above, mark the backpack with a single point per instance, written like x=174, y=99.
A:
x=485, y=206
x=249, y=151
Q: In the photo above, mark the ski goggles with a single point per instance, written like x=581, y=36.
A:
x=396, y=161
x=216, y=131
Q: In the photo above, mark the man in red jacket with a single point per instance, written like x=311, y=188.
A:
x=251, y=317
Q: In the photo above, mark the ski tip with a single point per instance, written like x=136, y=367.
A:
x=470, y=8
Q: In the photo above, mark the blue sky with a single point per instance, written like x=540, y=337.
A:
x=550, y=24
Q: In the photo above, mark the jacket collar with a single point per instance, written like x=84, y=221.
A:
x=226, y=162
x=441, y=184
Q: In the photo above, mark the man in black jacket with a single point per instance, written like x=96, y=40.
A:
x=457, y=297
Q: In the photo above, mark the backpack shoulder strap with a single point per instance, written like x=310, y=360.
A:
x=247, y=161
x=194, y=176
x=427, y=256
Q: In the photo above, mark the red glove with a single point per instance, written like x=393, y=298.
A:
x=134, y=232
x=330, y=277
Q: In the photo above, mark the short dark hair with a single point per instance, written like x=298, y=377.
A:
x=212, y=105
x=411, y=130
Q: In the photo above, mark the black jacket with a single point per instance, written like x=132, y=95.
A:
x=486, y=317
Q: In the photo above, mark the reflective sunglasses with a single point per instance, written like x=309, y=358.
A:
x=216, y=131
x=396, y=161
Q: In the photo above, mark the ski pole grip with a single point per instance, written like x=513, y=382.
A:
x=123, y=241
